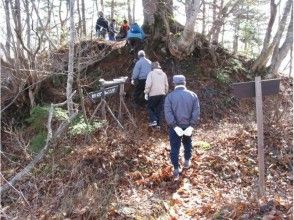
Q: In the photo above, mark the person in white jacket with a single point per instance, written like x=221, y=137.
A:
x=156, y=88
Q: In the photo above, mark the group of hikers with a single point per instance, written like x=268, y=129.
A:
x=133, y=33
x=180, y=107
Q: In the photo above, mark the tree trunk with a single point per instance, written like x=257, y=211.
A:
x=134, y=11
x=214, y=31
x=149, y=10
x=63, y=31
x=102, y=5
x=8, y=30
x=203, y=18
x=84, y=19
x=291, y=61
x=112, y=9
x=42, y=25
x=28, y=23
x=70, y=60
x=265, y=54
x=129, y=11
x=236, y=33
x=281, y=52
x=79, y=28
x=182, y=46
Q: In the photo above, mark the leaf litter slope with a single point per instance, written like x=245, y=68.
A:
x=125, y=175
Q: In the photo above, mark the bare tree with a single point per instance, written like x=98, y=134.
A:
x=112, y=9
x=70, y=60
x=129, y=11
x=268, y=48
x=219, y=21
x=8, y=30
x=134, y=11
x=280, y=53
x=63, y=31
x=102, y=5
x=84, y=19
x=203, y=17
x=28, y=23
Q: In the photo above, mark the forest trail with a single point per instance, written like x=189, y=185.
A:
x=127, y=174
x=221, y=182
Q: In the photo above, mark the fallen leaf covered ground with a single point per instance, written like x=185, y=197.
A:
x=127, y=174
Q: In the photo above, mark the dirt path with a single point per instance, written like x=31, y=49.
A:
x=221, y=183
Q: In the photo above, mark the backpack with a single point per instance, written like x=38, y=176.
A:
x=135, y=29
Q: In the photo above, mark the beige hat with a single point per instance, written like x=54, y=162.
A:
x=155, y=65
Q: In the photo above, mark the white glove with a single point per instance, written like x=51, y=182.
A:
x=146, y=97
x=188, y=131
x=132, y=82
x=179, y=131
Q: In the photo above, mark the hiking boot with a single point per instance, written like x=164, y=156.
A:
x=153, y=124
x=187, y=164
x=176, y=174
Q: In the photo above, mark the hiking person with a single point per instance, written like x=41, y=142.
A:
x=155, y=90
x=123, y=30
x=135, y=37
x=112, y=31
x=140, y=72
x=101, y=26
x=182, y=110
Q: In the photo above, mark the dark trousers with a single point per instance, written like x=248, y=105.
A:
x=139, y=92
x=175, y=143
x=155, y=108
x=111, y=36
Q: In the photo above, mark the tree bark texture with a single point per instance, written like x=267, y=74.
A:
x=281, y=52
x=70, y=60
x=8, y=30
x=129, y=11
x=28, y=23
x=182, y=46
x=84, y=18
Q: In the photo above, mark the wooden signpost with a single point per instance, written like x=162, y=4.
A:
x=257, y=89
x=108, y=88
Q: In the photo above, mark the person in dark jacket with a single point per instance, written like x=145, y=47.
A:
x=182, y=111
x=101, y=26
x=112, y=30
x=140, y=73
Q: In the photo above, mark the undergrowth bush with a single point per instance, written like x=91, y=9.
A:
x=223, y=76
x=79, y=126
x=38, y=142
x=37, y=117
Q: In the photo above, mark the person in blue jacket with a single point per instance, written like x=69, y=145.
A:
x=182, y=111
x=140, y=73
x=135, y=37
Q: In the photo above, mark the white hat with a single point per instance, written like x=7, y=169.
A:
x=141, y=53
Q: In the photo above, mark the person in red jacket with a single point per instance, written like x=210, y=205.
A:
x=123, y=30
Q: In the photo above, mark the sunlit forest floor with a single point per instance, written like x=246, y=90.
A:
x=127, y=174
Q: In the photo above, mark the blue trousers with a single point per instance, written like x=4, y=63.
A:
x=155, y=108
x=175, y=143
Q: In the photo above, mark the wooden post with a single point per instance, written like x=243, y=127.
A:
x=121, y=96
x=103, y=110
x=260, y=136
